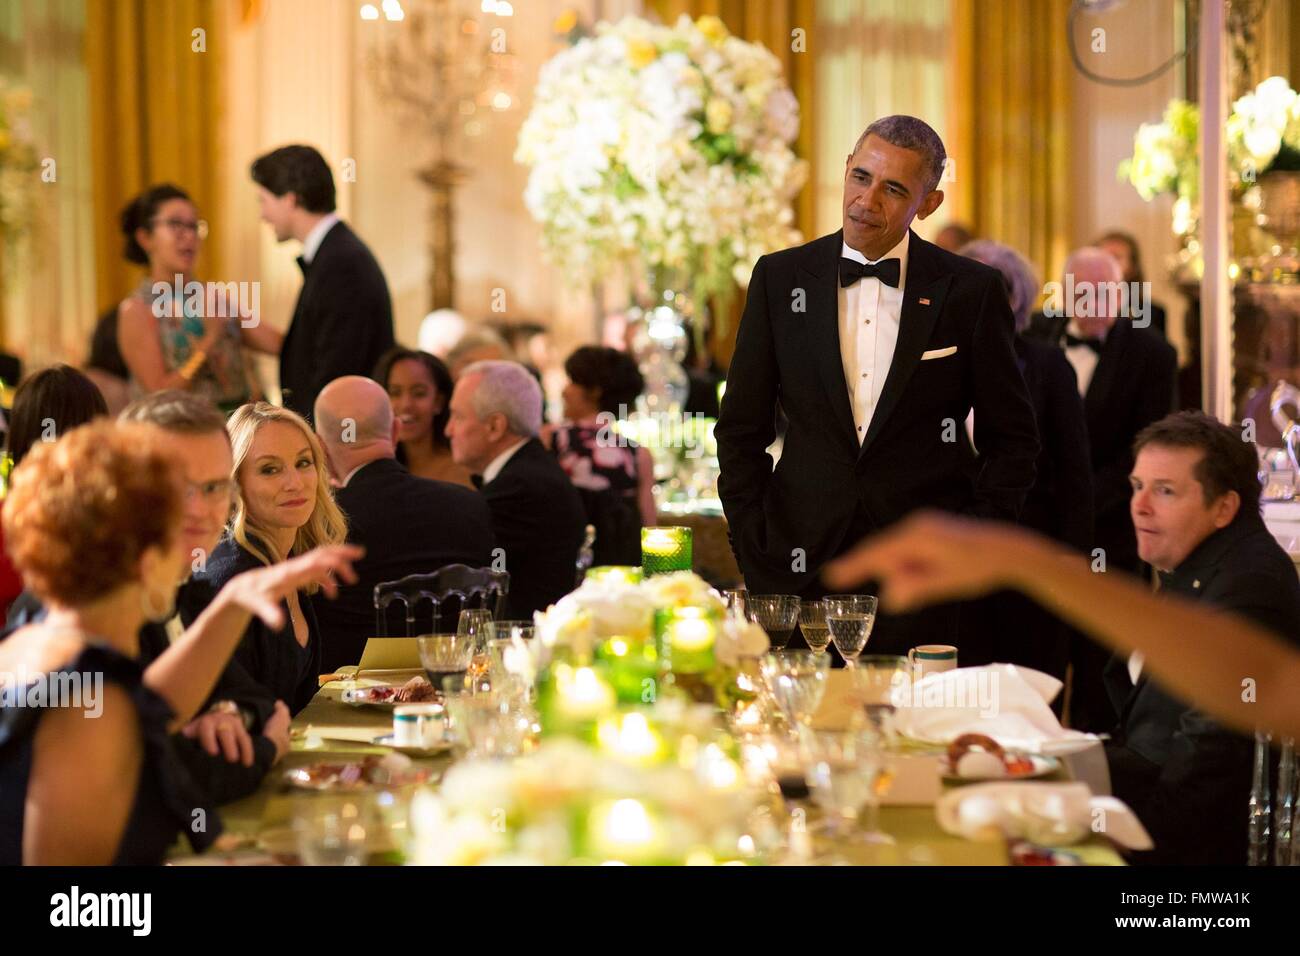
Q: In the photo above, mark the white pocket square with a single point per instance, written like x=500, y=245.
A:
x=939, y=353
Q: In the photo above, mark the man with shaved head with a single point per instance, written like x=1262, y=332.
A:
x=1126, y=376
x=408, y=525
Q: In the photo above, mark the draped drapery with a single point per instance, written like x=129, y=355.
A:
x=154, y=79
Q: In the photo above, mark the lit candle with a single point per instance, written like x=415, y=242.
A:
x=630, y=738
x=582, y=694
x=615, y=573
x=665, y=549
x=625, y=830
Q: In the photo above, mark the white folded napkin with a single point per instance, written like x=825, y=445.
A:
x=1051, y=814
x=1002, y=701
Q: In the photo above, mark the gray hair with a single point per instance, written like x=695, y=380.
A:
x=508, y=388
x=1017, y=275
x=908, y=132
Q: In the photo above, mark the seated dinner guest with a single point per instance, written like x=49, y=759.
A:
x=180, y=343
x=283, y=507
x=419, y=387
x=47, y=405
x=1196, y=510
x=407, y=525
x=94, y=525
x=537, y=517
x=614, y=476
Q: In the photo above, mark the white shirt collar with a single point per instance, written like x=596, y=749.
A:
x=311, y=244
x=899, y=252
x=494, y=467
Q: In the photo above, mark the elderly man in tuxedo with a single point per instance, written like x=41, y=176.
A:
x=876, y=345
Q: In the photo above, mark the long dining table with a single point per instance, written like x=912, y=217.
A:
x=329, y=729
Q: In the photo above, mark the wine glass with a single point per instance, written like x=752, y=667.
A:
x=478, y=624
x=777, y=614
x=812, y=625
x=850, y=617
x=879, y=681
x=444, y=655
x=737, y=603
x=797, y=681
x=844, y=772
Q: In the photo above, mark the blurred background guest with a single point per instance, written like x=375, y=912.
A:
x=419, y=388
x=953, y=236
x=407, y=524
x=106, y=367
x=1125, y=250
x=1060, y=502
x=537, y=516
x=614, y=476
x=480, y=343
x=284, y=507
x=1126, y=376
x=173, y=343
x=343, y=319
x=47, y=405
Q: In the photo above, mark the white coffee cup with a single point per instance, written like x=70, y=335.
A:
x=932, y=659
x=418, y=725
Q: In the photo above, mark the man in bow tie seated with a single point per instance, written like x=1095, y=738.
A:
x=1195, y=507
x=537, y=516
x=877, y=345
x=407, y=524
x=343, y=320
x=1126, y=376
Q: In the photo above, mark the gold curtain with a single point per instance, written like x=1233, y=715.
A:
x=770, y=23
x=1011, y=93
x=154, y=85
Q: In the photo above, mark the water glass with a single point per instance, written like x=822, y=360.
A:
x=777, y=614
x=797, y=681
x=333, y=830
x=812, y=625
x=850, y=618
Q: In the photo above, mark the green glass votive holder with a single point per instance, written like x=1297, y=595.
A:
x=685, y=638
x=573, y=698
x=664, y=550
x=626, y=573
x=632, y=665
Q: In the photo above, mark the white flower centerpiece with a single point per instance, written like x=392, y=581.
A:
x=665, y=151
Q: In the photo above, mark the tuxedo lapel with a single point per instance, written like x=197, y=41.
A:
x=915, y=324
x=818, y=276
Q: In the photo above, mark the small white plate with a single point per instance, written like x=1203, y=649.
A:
x=1043, y=767
x=386, y=740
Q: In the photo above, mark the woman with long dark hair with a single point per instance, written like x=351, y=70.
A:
x=419, y=386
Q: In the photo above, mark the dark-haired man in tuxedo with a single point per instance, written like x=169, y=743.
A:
x=343, y=320
x=1126, y=376
x=876, y=345
x=537, y=515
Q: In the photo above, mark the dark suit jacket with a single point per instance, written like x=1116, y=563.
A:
x=342, y=323
x=1187, y=778
x=1060, y=502
x=408, y=525
x=273, y=660
x=914, y=454
x=1132, y=386
x=538, y=520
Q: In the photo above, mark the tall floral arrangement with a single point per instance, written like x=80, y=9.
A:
x=18, y=163
x=1263, y=135
x=664, y=149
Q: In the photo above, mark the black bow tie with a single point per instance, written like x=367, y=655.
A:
x=886, y=270
x=1094, y=344
x=304, y=265
x=477, y=480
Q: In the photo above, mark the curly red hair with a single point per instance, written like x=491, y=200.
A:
x=83, y=510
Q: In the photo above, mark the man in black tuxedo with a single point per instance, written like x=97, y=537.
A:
x=343, y=320
x=537, y=516
x=1195, y=506
x=407, y=524
x=876, y=344
x=1126, y=377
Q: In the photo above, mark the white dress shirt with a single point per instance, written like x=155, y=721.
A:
x=1083, y=358
x=496, y=464
x=317, y=235
x=869, y=318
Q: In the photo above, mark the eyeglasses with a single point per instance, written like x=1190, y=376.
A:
x=198, y=227
x=210, y=491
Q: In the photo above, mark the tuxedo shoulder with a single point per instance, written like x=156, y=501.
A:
x=823, y=247
x=1154, y=343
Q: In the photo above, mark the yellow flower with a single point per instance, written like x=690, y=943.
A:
x=566, y=21
x=718, y=113
x=641, y=53
x=713, y=28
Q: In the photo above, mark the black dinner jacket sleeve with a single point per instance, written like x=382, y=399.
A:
x=1063, y=432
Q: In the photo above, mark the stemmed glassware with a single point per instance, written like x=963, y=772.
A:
x=850, y=618
x=812, y=625
x=478, y=624
x=797, y=681
x=880, y=684
x=777, y=614
x=846, y=771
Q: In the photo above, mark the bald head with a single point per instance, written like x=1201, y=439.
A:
x=1092, y=264
x=1096, y=279
x=354, y=421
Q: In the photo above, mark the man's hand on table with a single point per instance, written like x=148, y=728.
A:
x=276, y=730
x=221, y=731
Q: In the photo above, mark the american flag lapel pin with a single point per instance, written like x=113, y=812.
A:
x=924, y=301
